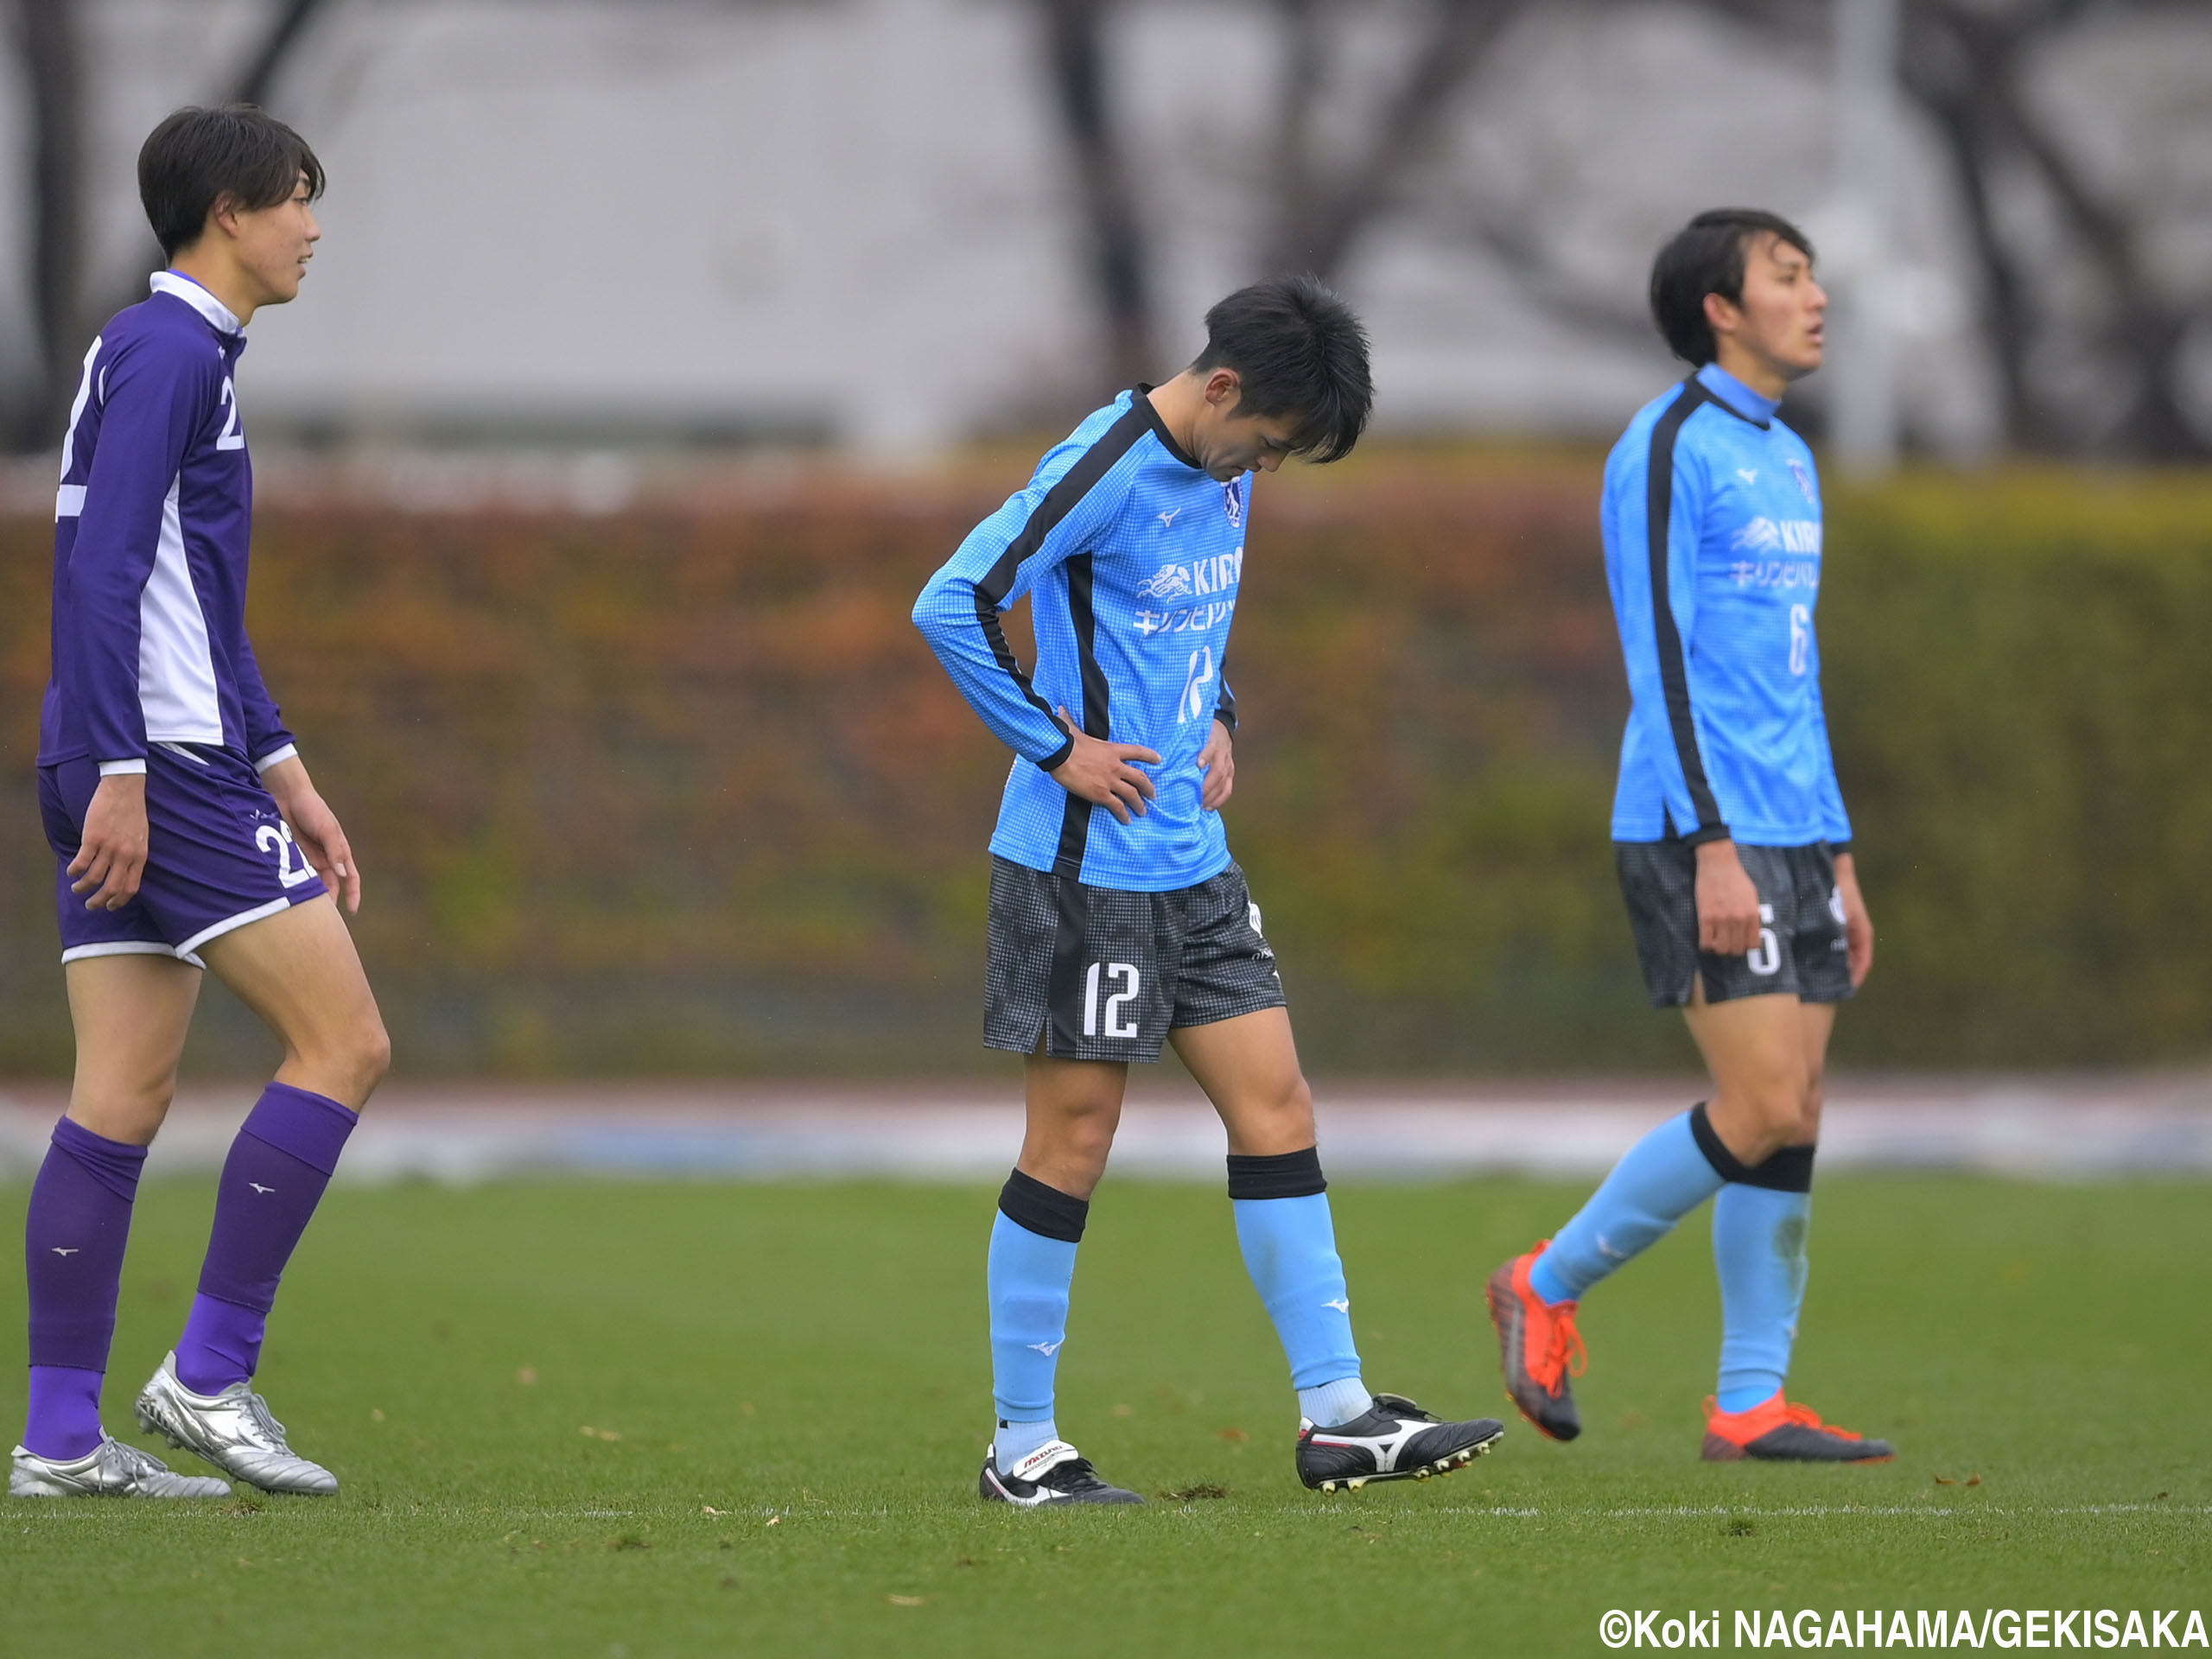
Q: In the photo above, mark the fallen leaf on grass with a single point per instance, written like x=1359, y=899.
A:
x=527, y=1376
x=708, y=1509
x=591, y=1433
x=1945, y=1480
x=775, y=1520
x=1125, y=1411
x=1234, y=1436
x=907, y=1601
x=1973, y=1480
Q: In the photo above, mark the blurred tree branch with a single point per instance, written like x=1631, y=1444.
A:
x=1965, y=64
x=46, y=39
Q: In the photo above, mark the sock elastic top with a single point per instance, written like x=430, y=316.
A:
x=114, y=1164
x=1789, y=1170
x=1281, y=1175
x=1045, y=1210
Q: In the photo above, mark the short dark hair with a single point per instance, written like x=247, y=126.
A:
x=1299, y=350
x=1706, y=257
x=197, y=156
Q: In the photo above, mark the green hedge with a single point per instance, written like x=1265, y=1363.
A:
x=682, y=792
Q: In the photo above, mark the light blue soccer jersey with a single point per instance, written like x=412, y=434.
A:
x=1131, y=555
x=1711, y=498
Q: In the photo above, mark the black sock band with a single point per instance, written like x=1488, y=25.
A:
x=1286, y=1175
x=1045, y=1210
x=1789, y=1170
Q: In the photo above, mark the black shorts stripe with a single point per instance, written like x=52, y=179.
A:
x=1060, y=500
x=1674, y=677
x=1063, y=993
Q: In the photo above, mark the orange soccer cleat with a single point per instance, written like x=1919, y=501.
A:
x=1777, y=1432
x=1538, y=1348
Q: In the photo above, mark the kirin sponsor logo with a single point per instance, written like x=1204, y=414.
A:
x=1169, y=581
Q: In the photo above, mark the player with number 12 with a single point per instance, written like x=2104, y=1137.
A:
x=1117, y=918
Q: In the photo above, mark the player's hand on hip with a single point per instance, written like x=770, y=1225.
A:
x=1727, y=903
x=111, y=854
x=1219, y=761
x=1858, y=925
x=1105, y=774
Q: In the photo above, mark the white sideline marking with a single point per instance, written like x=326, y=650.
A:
x=2061, y=1127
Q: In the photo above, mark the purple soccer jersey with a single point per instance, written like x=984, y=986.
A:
x=152, y=670
x=151, y=525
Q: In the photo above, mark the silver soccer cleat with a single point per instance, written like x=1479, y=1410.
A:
x=109, y=1470
x=232, y=1430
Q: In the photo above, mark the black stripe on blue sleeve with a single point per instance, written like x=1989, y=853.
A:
x=1673, y=676
x=1061, y=499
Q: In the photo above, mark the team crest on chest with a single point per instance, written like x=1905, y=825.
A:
x=1803, y=474
x=1232, y=500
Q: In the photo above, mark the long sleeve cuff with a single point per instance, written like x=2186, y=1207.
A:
x=276, y=756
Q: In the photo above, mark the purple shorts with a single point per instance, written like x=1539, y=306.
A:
x=219, y=854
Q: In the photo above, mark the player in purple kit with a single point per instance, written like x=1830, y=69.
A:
x=188, y=836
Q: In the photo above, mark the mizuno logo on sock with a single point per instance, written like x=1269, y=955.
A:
x=1604, y=1248
x=1341, y=1307
x=58, y=1250
x=1048, y=1349
x=258, y=1187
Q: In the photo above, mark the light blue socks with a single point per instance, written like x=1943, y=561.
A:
x=1658, y=1181
x=1758, y=1244
x=1759, y=1222
x=1032, y=1265
x=1289, y=1244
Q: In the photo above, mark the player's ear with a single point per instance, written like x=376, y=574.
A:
x=1224, y=389
x=1721, y=315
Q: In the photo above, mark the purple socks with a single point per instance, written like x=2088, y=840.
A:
x=74, y=1240
x=278, y=1166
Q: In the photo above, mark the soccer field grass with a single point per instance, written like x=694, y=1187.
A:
x=604, y=1419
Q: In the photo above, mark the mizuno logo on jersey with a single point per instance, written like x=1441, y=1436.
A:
x=1764, y=535
x=1215, y=576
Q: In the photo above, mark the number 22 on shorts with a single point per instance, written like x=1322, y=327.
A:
x=277, y=838
x=1117, y=1003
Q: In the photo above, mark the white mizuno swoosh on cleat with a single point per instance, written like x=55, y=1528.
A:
x=233, y=1430
x=109, y=1470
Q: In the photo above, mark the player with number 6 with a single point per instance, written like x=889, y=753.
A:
x=1730, y=837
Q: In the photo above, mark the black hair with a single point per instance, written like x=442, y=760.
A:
x=1299, y=350
x=1706, y=257
x=197, y=156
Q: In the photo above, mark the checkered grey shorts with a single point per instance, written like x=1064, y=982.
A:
x=1104, y=975
x=1800, y=952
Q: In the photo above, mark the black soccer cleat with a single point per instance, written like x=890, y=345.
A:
x=1394, y=1440
x=1054, y=1474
